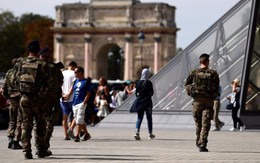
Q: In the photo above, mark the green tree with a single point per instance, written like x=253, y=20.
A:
x=16, y=33
x=10, y=41
x=38, y=27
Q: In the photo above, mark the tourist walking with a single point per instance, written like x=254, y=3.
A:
x=66, y=104
x=218, y=124
x=81, y=94
x=234, y=98
x=144, y=92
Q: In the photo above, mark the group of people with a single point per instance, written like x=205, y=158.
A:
x=37, y=88
x=203, y=85
x=33, y=87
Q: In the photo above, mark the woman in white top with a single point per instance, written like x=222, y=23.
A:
x=234, y=99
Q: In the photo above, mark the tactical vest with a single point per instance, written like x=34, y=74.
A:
x=204, y=84
x=29, y=76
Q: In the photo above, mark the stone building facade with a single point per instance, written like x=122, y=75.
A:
x=102, y=37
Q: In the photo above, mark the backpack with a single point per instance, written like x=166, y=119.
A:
x=28, y=76
x=204, y=84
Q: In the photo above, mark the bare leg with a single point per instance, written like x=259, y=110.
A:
x=65, y=125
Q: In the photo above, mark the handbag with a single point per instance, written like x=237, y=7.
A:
x=138, y=103
x=229, y=106
x=137, y=106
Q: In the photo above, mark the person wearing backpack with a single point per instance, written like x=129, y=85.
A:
x=53, y=95
x=33, y=78
x=202, y=85
x=11, y=93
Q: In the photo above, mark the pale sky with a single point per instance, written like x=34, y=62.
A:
x=193, y=17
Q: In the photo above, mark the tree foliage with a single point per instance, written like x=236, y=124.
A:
x=10, y=41
x=37, y=27
x=16, y=33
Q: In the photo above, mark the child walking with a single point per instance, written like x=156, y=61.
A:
x=102, y=107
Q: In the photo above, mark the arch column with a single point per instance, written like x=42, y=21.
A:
x=58, y=50
x=87, y=56
x=128, y=70
x=157, y=50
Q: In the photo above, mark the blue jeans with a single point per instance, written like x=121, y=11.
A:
x=149, y=118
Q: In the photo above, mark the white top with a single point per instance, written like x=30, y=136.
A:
x=68, y=80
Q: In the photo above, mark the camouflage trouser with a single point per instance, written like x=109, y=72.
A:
x=33, y=111
x=52, y=116
x=15, y=113
x=202, y=114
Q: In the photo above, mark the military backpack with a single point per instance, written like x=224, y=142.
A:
x=29, y=76
x=203, y=83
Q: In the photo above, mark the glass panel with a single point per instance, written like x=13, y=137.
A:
x=225, y=41
x=253, y=96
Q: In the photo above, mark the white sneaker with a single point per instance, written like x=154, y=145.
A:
x=233, y=129
x=137, y=136
x=151, y=136
x=242, y=128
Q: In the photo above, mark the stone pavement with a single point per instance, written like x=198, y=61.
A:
x=118, y=145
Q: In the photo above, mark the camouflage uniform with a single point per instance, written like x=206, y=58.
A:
x=11, y=93
x=32, y=103
x=53, y=99
x=202, y=104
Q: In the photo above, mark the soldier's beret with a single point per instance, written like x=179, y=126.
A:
x=34, y=46
x=204, y=57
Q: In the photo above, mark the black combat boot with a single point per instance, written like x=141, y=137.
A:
x=203, y=149
x=28, y=155
x=41, y=154
x=10, y=142
x=16, y=145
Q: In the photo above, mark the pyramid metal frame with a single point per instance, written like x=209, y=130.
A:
x=225, y=41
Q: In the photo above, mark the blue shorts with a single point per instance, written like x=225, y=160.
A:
x=66, y=107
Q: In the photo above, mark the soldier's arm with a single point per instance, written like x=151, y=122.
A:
x=188, y=83
x=189, y=79
x=5, y=85
x=14, y=79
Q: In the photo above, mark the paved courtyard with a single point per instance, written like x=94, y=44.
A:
x=118, y=145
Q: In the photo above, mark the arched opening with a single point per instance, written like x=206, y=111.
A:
x=110, y=62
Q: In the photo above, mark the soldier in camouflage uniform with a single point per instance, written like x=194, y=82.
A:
x=53, y=95
x=202, y=85
x=33, y=78
x=10, y=92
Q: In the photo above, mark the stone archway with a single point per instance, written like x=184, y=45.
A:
x=110, y=63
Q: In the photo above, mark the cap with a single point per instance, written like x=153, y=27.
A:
x=34, y=46
x=44, y=51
